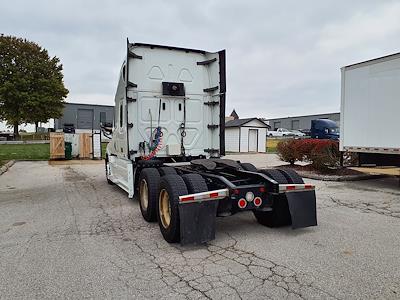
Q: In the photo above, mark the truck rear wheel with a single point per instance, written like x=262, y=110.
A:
x=149, y=182
x=248, y=167
x=275, y=175
x=166, y=171
x=171, y=187
x=195, y=183
x=291, y=176
x=280, y=214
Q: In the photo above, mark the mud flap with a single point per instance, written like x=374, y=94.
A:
x=197, y=222
x=303, y=208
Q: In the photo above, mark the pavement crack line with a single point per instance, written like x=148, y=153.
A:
x=214, y=269
x=365, y=207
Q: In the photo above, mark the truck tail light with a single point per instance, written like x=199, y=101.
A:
x=257, y=201
x=242, y=203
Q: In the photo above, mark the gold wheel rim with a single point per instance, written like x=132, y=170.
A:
x=144, y=194
x=164, y=209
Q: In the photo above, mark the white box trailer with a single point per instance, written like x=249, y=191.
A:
x=370, y=110
x=167, y=145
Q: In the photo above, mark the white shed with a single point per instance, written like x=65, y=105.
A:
x=245, y=135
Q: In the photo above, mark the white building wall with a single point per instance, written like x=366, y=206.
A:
x=262, y=138
x=232, y=139
x=244, y=139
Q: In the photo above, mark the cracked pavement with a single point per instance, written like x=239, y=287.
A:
x=66, y=233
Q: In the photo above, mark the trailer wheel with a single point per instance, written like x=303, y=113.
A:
x=195, y=183
x=275, y=175
x=248, y=167
x=171, y=187
x=280, y=214
x=166, y=171
x=149, y=182
x=107, y=166
x=291, y=176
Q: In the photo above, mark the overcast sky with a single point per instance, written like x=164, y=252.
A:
x=283, y=57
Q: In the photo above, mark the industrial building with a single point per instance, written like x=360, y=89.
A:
x=300, y=122
x=84, y=116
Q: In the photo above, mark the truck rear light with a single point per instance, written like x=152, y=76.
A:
x=308, y=186
x=249, y=196
x=213, y=195
x=290, y=188
x=257, y=201
x=242, y=203
x=262, y=189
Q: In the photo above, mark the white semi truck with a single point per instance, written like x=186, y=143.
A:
x=168, y=140
x=370, y=110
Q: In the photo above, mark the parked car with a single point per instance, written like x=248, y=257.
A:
x=280, y=132
x=297, y=133
x=69, y=128
x=307, y=132
x=7, y=136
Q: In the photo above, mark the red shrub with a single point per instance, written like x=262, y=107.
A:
x=290, y=151
x=322, y=154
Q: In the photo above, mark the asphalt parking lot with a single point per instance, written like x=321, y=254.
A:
x=66, y=233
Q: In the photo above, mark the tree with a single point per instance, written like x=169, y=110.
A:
x=31, y=83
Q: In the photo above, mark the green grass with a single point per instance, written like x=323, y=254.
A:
x=103, y=149
x=271, y=150
x=24, y=151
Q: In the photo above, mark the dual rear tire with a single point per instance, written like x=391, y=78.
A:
x=280, y=214
x=159, y=197
x=171, y=187
x=149, y=185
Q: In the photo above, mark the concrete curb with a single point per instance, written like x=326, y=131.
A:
x=338, y=177
x=8, y=165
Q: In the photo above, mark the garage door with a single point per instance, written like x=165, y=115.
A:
x=253, y=140
x=85, y=119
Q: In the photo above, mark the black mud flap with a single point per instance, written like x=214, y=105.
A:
x=197, y=222
x=303, y=208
